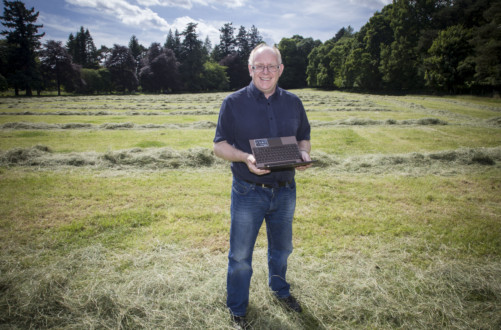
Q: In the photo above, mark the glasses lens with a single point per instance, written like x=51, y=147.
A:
x=273, y=68
x=260, y=68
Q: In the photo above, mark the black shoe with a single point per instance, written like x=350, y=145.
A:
x=240, y=322
x=291, y=303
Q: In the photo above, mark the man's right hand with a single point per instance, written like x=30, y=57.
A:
x=226, y=151
x=251, y=164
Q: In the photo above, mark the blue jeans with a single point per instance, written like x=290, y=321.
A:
x=250, y=205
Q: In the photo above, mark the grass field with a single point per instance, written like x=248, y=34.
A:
x=114, y=214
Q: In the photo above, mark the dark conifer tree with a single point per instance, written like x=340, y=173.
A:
x=23, y=42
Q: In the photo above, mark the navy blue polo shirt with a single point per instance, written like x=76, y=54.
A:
x=248, y=114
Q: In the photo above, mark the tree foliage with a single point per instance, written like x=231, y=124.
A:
x=137, y=50
x=23, y=42
x=192, y=59
x=444, y=46
x=295, y=53
x=57, y=66
x=159, y=72
x=82, y=49
x=450, y=46
x=233, y=52
x=449, y=66
x=122, y=68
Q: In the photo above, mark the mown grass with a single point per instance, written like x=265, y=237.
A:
x=148, y=250
x=99, y=120
x=105, y=140
x=342, y=141
x=397, y=226
x=345, y=141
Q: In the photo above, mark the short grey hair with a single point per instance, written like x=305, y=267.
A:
x=262, y=46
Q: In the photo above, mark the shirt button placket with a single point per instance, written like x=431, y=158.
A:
x=272, y=121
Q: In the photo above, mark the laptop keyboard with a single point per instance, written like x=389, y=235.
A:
x=277, y=153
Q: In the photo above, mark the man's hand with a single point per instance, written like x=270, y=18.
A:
x=228, y=152
x=306, y=157
x=251, y=164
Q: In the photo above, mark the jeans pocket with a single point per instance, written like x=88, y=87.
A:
x=291, y=186
x=241, y=187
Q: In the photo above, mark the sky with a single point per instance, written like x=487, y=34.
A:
x=116, y=21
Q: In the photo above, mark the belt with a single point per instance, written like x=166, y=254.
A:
x=269, y=186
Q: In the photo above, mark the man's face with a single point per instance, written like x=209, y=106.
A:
x=266, y=81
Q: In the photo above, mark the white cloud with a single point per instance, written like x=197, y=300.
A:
x=57, y=23
x=188, y=4
x=125, y=12
x=204, y=29
x=371, y=4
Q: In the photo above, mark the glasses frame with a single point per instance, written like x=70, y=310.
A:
x=271, y=68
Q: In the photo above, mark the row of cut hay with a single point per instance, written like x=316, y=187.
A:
x=113, y=113
x=210, y=125
x=151, y=158
x=106, y=126
x=440, y=163
x=366, y=122
x=348, y=109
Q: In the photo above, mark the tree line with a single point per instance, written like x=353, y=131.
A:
x=451, y=46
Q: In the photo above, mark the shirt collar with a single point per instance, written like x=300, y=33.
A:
x=258, y=94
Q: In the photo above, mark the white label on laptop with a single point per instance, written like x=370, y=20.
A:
x=261, y=142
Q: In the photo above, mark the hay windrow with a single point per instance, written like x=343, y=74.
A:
x=106, y=126
x=212, y=125
x=202, y=112
x=368, y=122
x=442, y=162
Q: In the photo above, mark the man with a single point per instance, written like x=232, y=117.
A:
x=260, y=110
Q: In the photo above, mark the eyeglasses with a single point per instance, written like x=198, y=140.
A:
x=260, y=68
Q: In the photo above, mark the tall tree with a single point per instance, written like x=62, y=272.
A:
x=242, y=43
x=122, y=68
x=487, y=56
x=227, y=42
x=364, y=61
x=159, y=72
x=255, y=38
x=191, y=58
x=295, y=52
x=82, y=49
x=207, y=46
x=173, y=42
x=137, y=51
x=449, y=67
x=57, y=65
x=3, y=64
x=24, y=41
x=399, y=60
x=236, y=69
x=318, y=72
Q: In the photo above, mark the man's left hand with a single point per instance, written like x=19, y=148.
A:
x=306, y=157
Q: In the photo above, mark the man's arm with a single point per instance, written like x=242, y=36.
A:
x=228, y=152
x=304, y=149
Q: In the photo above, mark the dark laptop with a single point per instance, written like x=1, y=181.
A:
x=277, y=153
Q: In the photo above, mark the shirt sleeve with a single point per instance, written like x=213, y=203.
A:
x=224, y=126
x=304, y=130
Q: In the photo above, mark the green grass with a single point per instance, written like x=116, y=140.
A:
x=104, y=140
x=99, y=120
x=344, y=141
x=397, y=226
